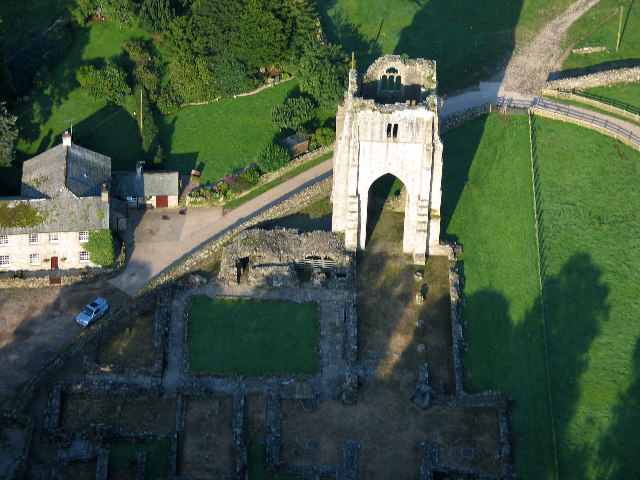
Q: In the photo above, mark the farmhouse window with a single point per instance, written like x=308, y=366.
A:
x=4, y=239
x=4, y=261
x=34, y=238
x=84, y=257
x=83, y=236
x=34, y=258
x=53, y=238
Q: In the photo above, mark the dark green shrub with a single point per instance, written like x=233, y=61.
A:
x=168, y=101
x=293, y=113
x=272, y=157
x=251, y=176
x=155, y=15
x=101, y=247
x=142, y=65
x=325, y=136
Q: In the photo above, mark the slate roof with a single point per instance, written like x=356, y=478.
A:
x=128, y=184
x=64, y=213
x=60, y=193
x=75, y=168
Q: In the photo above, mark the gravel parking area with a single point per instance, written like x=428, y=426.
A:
x=37, y=322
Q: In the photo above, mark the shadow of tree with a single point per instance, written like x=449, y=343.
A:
x=508, y=354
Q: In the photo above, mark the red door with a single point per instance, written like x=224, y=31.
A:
x=162, y=201
x=54, y=262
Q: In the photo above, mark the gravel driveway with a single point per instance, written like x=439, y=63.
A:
x=37, y=322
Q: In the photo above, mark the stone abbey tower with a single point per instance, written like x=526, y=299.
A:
x=388, y=123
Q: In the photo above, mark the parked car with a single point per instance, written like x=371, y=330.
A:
x=92, y=312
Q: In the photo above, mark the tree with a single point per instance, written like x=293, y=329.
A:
x=6, y=88
x=229, y=76
x=8, y=136
x=107, y=83
x=101, y=247
x=271, y=157
x=323, y=73
x=155, y=15
x=77, y=11
x=292, y=113
x=325, y=136
x=142, y=65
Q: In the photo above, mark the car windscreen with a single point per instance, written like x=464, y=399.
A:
x=87, y=311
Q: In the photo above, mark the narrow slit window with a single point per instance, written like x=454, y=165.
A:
x=383, y=82
x=390, y=86
x=398, y=83
x=388, y=130
x=395, y=130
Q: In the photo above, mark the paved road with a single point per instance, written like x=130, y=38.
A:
x=164, y=237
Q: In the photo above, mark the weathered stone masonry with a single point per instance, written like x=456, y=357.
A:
x=388, y=123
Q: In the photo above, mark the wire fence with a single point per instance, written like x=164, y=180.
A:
x=560, y=111
x=603, y=103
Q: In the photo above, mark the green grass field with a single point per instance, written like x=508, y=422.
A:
x=623, y=92
x=156, y=466
x=468, y=39
x=32, y=17
x=591, y=264
x=223, y=136
x=217, y=138
x=593, y=29
x=488, y=207
x=252, y=338
x=590, y=231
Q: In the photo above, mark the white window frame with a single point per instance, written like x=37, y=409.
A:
x=5, y=261
x=83, y=237
x=34, y=239
x=34, y=259
x=54, y=238
x=84, y=257
x=4, y=239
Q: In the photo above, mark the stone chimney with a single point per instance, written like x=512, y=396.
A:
x=104, y=194
x=66, y=138
x=138, y=168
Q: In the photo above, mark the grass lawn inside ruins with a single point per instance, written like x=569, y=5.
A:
x=252, y=338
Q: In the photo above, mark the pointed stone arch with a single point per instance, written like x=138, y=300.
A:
x=378, y=134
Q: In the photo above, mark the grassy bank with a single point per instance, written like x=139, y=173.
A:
x=592, y=264
x=488, y=208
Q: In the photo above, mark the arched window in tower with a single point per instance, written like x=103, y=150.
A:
x=398, y=83
x=383, y=82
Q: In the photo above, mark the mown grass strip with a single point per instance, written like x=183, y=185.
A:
x=277, y=181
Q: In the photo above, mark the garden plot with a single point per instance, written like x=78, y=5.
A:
x=207, y=448
x=131, y=414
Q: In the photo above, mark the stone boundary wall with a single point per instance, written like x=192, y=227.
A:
x=457, y=119
x=294, y=163
x=598, y=79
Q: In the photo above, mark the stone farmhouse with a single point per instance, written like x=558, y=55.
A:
x=63, y=197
